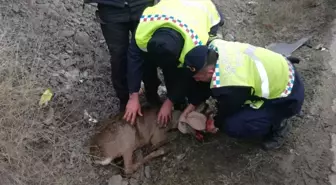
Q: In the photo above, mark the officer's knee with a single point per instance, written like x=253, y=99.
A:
x=240, y=128
x=234, y=128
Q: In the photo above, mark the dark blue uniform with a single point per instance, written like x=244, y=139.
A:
x=118, y=18
x=143, y=66
x=241, y=121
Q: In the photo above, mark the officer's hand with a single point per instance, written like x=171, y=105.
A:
x=133, y=108
x=164, y=115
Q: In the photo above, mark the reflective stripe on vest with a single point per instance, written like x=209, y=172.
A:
x=263, y=74
x=157, y=17
x=261, y=69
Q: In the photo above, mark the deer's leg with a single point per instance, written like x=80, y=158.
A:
x=149, y=157
x=158, y=145
x=158, y=140
x=128, y=162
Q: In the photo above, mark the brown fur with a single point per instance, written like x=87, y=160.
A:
x=116, y=138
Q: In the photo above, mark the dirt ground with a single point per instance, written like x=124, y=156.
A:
x=57, y=44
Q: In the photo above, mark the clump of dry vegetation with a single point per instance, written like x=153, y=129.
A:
x=37, y=144
x=32, y=149
x=18, y=113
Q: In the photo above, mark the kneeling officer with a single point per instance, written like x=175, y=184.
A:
x=256, y=90
x=168, y=34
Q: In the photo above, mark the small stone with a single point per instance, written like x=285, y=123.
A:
x=333, y=107
x=69, y=51
x=66, y=33
x=67, y=63
x=56, y=2
x=284, y=29
x=52, y=24
x=65, y=56
x=76, y=21
x=82, y=38
x=333, y=168
x=69, y=7
x=230, y=37
x=72, y=75
x=124, y=182
x=145, y=183
x=53, y=14
x=31, y=3
x=85, y=74
x=86, y=114
x=252, y=3
x=219, y=35
x=319, y=47
x=180, y=157
x=53, y=56
x=16, y=8
x=147, y=172
x=133, y=182
x=115, y=180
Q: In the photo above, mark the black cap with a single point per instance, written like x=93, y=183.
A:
x=196, y=58
x=165, y=45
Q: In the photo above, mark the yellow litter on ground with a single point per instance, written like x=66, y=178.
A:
x=46, y=97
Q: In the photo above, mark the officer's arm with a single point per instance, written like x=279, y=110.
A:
x=134, y=67
x=231, y=99
x=198, y=92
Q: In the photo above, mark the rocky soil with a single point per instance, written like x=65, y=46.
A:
x=57, y=44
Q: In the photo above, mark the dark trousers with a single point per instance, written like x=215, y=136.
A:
x=175, y=79
x=117, y=23
x=251, y=123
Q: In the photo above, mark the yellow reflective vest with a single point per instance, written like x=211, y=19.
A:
x=193, y=19
x=269, y=74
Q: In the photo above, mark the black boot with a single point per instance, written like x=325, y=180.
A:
x=277, y=138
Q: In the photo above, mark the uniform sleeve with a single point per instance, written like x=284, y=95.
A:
x=177, y=83
x=198, y=92
x=230, y=100
x=134, y=67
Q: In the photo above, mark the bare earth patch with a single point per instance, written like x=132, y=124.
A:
x=56, y=44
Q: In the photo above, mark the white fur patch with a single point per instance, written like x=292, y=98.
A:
x=104, y=162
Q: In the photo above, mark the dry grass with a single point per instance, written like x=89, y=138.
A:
x=18, y=111
x=34, y=149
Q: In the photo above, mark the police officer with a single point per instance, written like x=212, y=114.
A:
x=167, y=35
x=256, y=90
x=117, y=19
